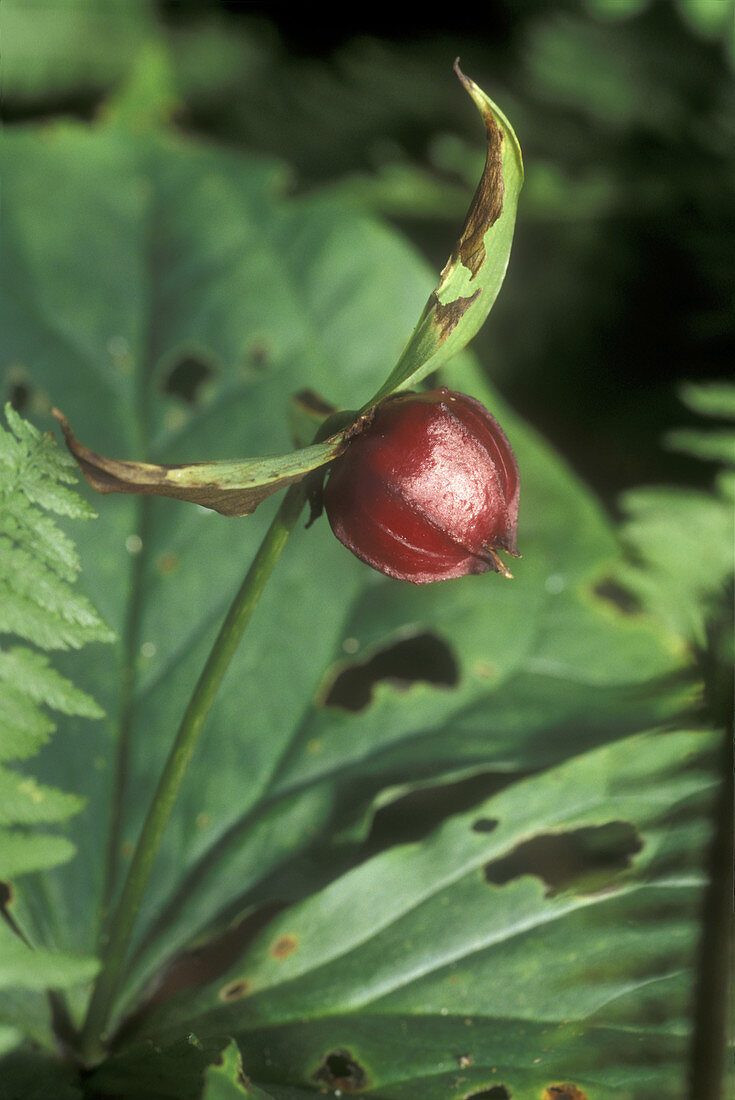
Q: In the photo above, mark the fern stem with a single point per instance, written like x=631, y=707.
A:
x=121, y=925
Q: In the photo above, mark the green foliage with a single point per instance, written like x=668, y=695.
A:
x=38, y=604
x=435, y=842
x=681, y=540
x=106, y=35
x=226, y=1080
x=488, y=968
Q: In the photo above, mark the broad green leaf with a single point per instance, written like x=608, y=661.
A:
x=30, y=1076
x=577, y=967
x=226, y=1080
x=190, y=255
x=10, y=1038
x=108, y=34
x=532, y=657
x=474, y=272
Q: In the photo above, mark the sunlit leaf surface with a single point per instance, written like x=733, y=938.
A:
x=469, y=720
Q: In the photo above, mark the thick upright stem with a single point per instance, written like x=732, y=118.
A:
x=121, y=925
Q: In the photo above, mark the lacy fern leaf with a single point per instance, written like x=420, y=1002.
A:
x=38, y=605
x=680, y=540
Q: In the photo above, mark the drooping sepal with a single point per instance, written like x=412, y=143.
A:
x=230, y=488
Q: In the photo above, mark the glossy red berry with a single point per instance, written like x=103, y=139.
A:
x=427, y=489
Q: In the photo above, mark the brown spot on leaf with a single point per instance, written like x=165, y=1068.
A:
x=495, y=1092
x=168, y=563
x=339, y=1071
x=195, y=482
x=487, y=204
x=564, y=1092
x=234, y=990
x=447, y=315
x=284, y=946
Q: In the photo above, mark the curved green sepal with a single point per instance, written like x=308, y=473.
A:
x=230, y=488
x=474, y=272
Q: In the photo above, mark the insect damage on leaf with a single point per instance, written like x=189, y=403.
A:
x=485, y=209
x=487, y=204
x=284, y=946
x=495, y=1092
x=447, y=316
x=473, y=274
x=339, y=1070
x=230, y=488
x=565, y=1091
x=234, y=990
x=589, y=858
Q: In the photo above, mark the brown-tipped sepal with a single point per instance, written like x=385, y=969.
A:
x=230, y=488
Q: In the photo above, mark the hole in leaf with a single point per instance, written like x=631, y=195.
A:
x=564, y=1092
x=186, y=379
x=484, y=825
x=594, y=853
x=421, y=659
x=19, y=396
x=495, y=1092
x=415, y=815
x=614, y=593
x=339, y=1070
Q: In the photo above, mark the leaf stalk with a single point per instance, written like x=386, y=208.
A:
x=120, y=929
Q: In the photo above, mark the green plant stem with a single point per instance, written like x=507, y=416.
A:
x=120, y=929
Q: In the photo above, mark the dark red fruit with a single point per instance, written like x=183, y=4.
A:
x=427, y=489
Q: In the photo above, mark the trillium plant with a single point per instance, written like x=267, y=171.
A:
x=421, y=486
x=230, y=920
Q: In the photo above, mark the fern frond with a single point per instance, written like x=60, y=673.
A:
x=38, y=604
x=680, y=540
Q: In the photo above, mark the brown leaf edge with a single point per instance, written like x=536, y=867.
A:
x=203, y=483
x=439, y=319
x=487, y=202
